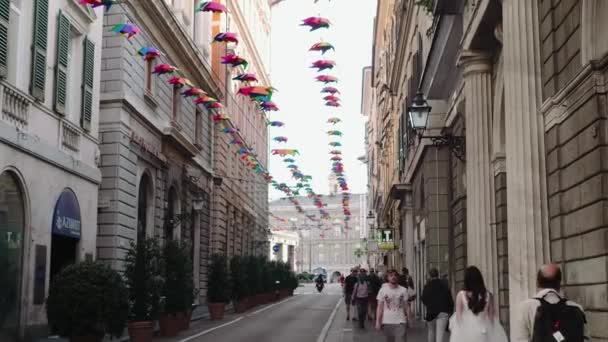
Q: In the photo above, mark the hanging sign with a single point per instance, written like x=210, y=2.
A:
x=385, y=238
x=66, y=217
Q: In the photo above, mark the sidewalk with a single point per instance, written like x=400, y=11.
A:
x=342, y=330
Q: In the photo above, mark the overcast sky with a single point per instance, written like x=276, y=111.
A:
x=301, y=105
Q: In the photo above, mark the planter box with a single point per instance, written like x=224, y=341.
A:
x=216, y=311
x=241, y=305
x=141, y=331
x=170, y=324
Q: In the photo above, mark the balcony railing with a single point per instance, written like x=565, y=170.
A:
x=15, y=107
x=70, y=136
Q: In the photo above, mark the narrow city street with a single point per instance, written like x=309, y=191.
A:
x=308, y=316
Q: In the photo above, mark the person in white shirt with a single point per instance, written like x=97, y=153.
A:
x=530, y=325
x=392, y=314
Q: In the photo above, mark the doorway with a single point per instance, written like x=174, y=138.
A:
x=63, y=253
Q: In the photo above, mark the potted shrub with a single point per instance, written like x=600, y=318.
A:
x=177, y=289
x=87, y=301
x=190, y=292
x=293, y=283
x=218, y=289
x=255, y=279
x=240, y=283
x=143, y=276
x=268, y=281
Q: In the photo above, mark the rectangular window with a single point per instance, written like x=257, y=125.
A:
x=176, y=106
x=41, y=12
x=5, y=11
x=149, y=77
x=198, y=130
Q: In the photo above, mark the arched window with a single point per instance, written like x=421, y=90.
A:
x=12, y=228
x=142, y=206
x=172, y=212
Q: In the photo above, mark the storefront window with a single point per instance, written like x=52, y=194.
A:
x=12, y=223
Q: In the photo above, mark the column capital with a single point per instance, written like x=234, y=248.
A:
x=474, y=62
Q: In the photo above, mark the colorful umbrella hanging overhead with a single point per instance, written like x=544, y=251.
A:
x=97, y=3
x=322, y=46
x=211, y=6
x=128, y=30
x=316, y=23
x=148, y=53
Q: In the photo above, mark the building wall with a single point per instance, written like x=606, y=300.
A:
x=47, y=151
x=241, y=203
x=458, y=219
x=575, y=149
x=143, y=136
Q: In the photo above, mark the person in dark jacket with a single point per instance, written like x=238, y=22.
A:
x=375, y=284
x=437, y=298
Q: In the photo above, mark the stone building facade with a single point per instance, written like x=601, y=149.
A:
x=529, y=105
x=240, y=206
x=156, y=155
x=323, y=243
x=50, y=62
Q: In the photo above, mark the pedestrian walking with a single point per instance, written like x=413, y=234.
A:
x=439, y=304
x=476, y=319
x=549, y=315
x=342, y=278
x=360, y=297
x=349, y=287
x=392, y=314
x=375, y=284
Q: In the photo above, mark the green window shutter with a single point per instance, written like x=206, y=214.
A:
x=39, y=46
x=5, y=11
x=61, y=68
x=87, y=84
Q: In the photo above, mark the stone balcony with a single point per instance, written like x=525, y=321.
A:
x=15, y=106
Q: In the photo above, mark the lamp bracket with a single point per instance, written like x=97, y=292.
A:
x=456, y=144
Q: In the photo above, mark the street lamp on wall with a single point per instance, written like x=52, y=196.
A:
x=418, y=114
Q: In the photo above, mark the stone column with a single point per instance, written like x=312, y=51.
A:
x=481, y=242
x=528, y=236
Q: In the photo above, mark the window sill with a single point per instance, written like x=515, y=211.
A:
x=150, y=99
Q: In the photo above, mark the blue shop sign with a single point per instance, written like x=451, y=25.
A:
x=66, y=217
x=276, y=248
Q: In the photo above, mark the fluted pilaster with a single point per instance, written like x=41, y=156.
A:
x=526, y=172
x=481, y=240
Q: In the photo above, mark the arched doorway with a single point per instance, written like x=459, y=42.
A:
x=143, y=206
x=12, y=228
x=66, y=231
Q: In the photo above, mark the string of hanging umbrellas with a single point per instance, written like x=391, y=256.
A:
x=261, y=95
x=333, y=101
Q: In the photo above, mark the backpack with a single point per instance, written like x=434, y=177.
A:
x=558, y=322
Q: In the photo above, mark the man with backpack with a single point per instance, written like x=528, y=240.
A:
x=549, y=316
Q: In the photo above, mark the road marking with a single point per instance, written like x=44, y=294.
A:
x=325, y=330
x=205, y=332
x=269, y=306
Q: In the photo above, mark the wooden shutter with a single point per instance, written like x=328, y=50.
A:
x=87, y=84
x=5, y=11
x=61, y=68
x=39, y=46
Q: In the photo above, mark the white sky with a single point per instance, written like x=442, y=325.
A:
x=299, y=99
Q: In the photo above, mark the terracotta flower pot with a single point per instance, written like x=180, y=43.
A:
x=89, y=338
x=187, y=319
x=216, y=310
x=241, y=305
x=141, y=331
x=170, y=324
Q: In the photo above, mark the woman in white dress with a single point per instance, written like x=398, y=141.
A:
x=475, y=319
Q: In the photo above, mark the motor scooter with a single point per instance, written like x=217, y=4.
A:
x=320, y=287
